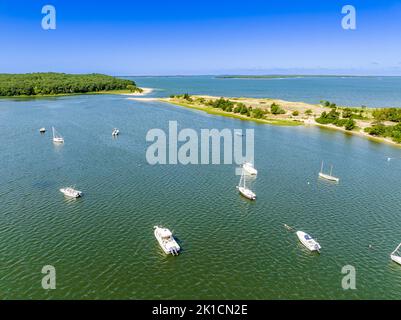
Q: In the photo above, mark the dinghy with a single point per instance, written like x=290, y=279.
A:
x=166, y=240
x=308, y=241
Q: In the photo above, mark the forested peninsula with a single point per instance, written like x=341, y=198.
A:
x=50, y=83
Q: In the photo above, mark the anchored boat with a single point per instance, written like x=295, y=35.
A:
x=42, y=130
x=71, y=192
x=326, y=176
x=115, y=132
x=249, y=168
x=57, y=138
x=247, y=193
x=308, y=241
x=166, y=240
x=395, y=255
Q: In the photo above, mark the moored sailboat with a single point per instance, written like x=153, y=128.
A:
x=247, y=193
x=326, y=176
x=57, y=138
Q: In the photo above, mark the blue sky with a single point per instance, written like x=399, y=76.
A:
x=201, y=37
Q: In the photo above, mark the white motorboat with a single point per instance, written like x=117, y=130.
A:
x=308, y=241
x=249, y=168
x=57, y=138
x=42, y=130
x=395, y=255
x=166, y=240
x=71, y=192
x=115, y=132
x=326, y=176
x=247, y=193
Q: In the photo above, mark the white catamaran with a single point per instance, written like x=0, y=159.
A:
x=395, y=256
x=57, y=138
x=247, y=193
x=166, y=240
x=326, y=176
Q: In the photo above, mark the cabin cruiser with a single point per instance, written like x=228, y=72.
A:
x=248, y=167
x=71, y=192
x=42, y=130
x=166, y=240
x=308, y=241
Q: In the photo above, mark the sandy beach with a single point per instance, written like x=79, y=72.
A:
x=145, y=92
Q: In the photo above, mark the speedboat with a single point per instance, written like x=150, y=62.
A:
x=115, y=132
x=395, y=256
x=308, y=241
x=71, y=192
x=248, y=167
x=166, y=240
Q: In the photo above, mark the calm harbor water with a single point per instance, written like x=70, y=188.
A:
x=103, y=247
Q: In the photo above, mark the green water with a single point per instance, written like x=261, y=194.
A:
x=102, y=245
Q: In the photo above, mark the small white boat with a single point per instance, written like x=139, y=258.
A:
x=249, y=168
x=247, y=193
x=326, y=176
x=308, y=241
x=71, y=192
x=42, y=130
x=395, y=255
x=166, y=240
x=57, y=138
x=115, y=132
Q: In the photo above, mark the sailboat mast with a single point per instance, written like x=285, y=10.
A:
x=331, y=169
x=53, y=132
x=321, y=168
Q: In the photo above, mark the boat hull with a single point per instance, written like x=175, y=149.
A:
x=396, y=259
x=247, y=193
x=249, y=169
x=328, y=177
x=170, y=246
x=68, y=194
x=308, y=241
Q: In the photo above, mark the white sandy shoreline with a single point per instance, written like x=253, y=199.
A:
x=145, y=92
